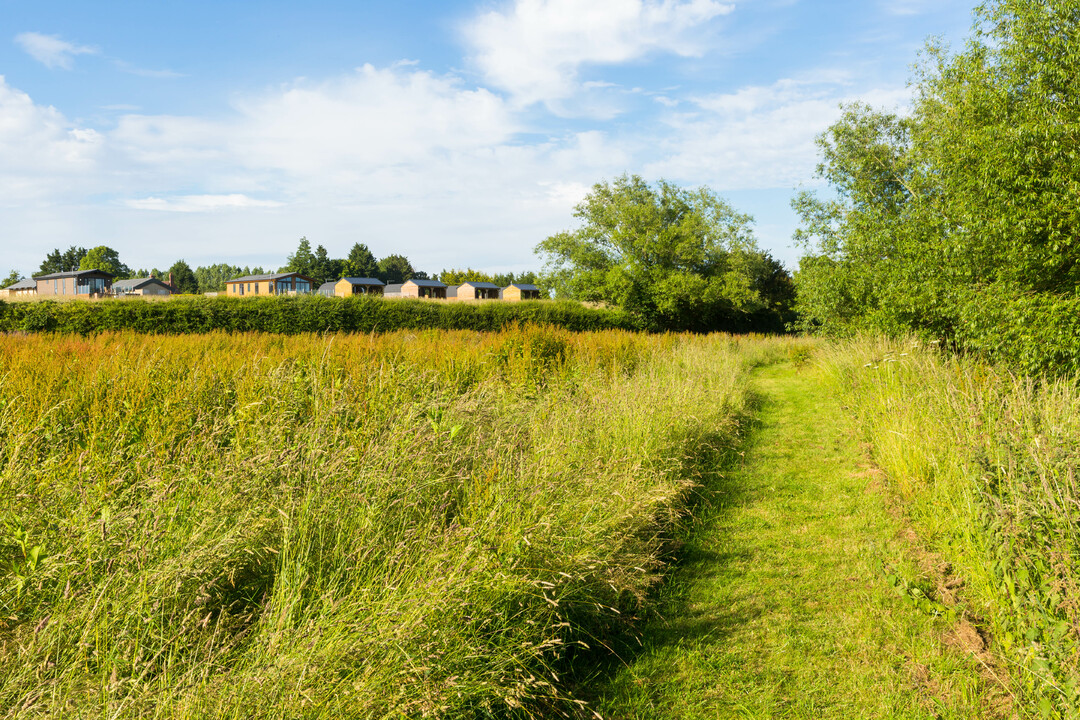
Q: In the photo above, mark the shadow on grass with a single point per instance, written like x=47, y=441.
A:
x=670, y=619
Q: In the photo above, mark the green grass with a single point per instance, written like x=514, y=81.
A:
x=357, y=526
x=787, y=602
x=985, y=461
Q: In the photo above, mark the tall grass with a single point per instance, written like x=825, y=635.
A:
x=985, y=462
x=412, y=524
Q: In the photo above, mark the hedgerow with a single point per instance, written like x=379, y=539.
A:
x=304, y=314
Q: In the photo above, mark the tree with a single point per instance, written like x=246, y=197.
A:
x=682, y=259
x=302, y=261
x=395, y=269
x=183, y=278
x=13, y=277
x=104, y=258
x=325, y=268
x=62, y=262
x=973, y=194
x=361, y=262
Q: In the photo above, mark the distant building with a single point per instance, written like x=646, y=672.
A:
x=76, y=283
x=358, y=286
x=269, y=284
x=23, y=288
x=416, y=289
x=142, y=286
x=473, y=291
x=326, y=289
x=520, y=291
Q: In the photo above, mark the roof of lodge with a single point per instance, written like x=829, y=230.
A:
x=425, y=283
x=327, y=286
x=24, y=284
x=479, y=284
x=523, y=286
x=72, y=273
x=362, y=281
x=136, y=283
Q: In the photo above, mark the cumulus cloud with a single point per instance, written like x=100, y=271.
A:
x=758, y=136
x=534, y=49
x=403, y=159
x=51, y=51
x=44, y=153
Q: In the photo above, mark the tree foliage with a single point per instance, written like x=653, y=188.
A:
x=105, y=258
x=972, y=198
x=360, y=262
x=395, y=269
x=681, y=259
x=66, y=261
x=212, y=278
x=302, y=261
x=456, y=277
x=13, y=277
x=183, y=278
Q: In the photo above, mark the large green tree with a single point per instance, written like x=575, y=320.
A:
x=682, y=259
x=395, y=269
x=361, y=262
x=105, y=258
x=302, y=261
x=973, y=198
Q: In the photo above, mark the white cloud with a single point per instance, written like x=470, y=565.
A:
x=759, y=136
x=404, y=160
x=200, y=203
x=44, y=154
x=371, y=118
x=534, y=49
x=50, y=50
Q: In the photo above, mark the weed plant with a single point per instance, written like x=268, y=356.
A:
x=986, y=461
x=415, y=524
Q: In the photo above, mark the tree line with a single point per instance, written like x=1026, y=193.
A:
x=316, y=264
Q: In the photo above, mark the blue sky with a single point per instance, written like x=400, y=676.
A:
x=456, y=133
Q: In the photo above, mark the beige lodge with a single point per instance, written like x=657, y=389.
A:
x=519, y=291
x=269, y=284
x=417, y=289
x=76, y=283
x=473, y=291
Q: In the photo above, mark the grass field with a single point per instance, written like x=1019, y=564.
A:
x=531, y=523
x=346, y=526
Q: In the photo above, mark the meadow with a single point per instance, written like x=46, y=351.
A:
x=460, y=524
x=407, y=524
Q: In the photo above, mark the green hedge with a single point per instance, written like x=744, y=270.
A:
x=312, y=313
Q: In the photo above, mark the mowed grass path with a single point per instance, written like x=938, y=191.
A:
x=782, y=606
